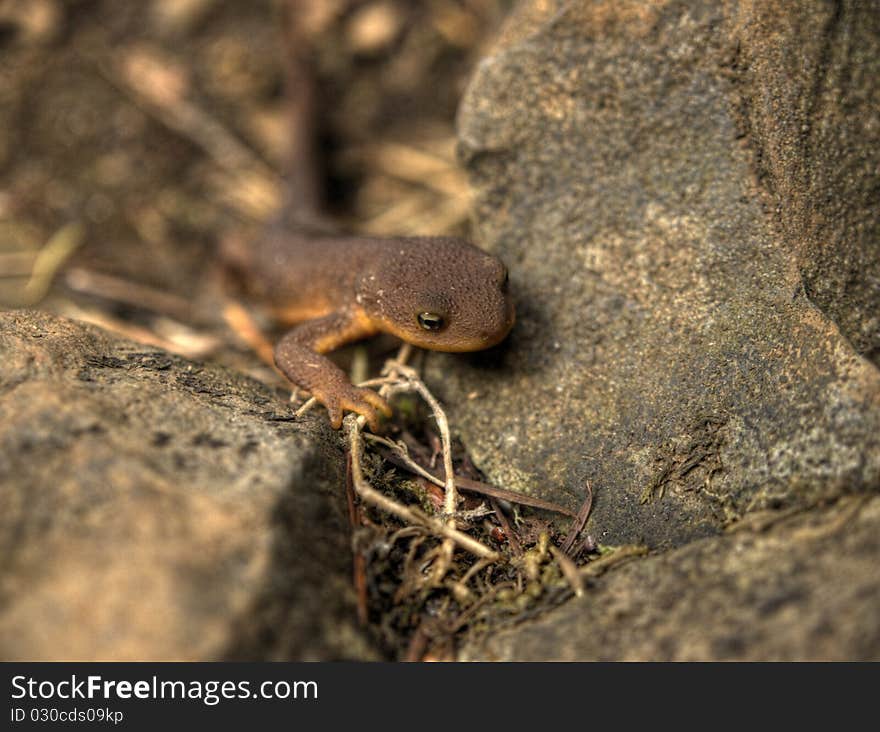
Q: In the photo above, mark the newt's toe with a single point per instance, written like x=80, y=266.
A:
x=362, y=405
x=364, y=402
x=375, y=400
x=335, y=414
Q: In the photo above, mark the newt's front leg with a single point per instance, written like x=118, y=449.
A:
x=298, y=355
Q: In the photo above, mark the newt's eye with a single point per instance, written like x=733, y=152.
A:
x=431, y=321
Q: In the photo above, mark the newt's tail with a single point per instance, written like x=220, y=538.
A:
x=304, y=199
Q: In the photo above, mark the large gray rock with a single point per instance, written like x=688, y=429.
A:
x=807, y=86
x=629, y=168
x=151, y=508
x=805, y=589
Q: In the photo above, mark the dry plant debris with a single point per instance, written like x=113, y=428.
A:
x=431, y=564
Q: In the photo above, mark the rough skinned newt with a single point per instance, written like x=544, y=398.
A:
x=439, y=293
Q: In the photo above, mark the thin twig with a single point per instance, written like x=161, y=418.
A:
x=306, y=406
x=403, y=355
x=359, y=570
x=410, y=515
x=400, y=456
x=451, y=504
x=580, y=520
x=418, y=385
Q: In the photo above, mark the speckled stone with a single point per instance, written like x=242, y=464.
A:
x=153, y=508
x=679, y=190
x=806, y=588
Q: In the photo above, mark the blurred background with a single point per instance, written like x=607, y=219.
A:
x=135, y=137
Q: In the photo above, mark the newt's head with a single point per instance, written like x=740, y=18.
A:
x=442, y=294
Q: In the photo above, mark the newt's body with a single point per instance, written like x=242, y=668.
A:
x=442, y=294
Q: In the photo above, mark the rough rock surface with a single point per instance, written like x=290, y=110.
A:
x=693, y=246
x=151, y=508
x=810, y=104
x=804, y=589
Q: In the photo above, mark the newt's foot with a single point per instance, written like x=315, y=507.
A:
x=356, y=399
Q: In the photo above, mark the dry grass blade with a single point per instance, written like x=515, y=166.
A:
x=50, y=259
x=160, y=88
x=620, y=555
x=121, y=290
x=486, y=489
x=569, y=571
x=16, y=264
x=186, y=342
x=400, y=456
x=580, y=520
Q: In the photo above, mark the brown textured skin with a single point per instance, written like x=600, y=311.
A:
x=343, y=288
